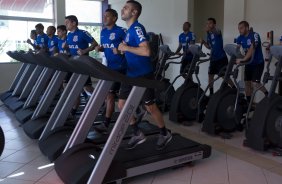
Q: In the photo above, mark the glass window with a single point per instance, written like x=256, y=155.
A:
x=27, y=8
x=14, y=36
x=85, y=10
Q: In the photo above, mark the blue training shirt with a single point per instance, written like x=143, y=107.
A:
x=79, y=39
x=42, y=41
x=60, y=45
x=111, y=39
x=247, y=41
x=185, y=40
x=137, y=65
x=215, y=40
x=52, y=44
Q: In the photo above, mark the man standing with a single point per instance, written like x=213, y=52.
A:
x=137, y=53
x=78, y=44
x=185, y=39
x=218, y=59
x=42, y=38
x=111, y=36
x=53, y=40
x=251, y=43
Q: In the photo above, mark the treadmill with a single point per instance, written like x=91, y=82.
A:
x=88, y=163
x=56, y=133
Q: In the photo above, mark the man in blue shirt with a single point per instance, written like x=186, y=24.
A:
x=111, y=36
x=42, y=38
x=218, y=59
x=251, y=43
x=53, y=40
x=33, y=36
x=185, y=39
x=78, y=42
x=62, y=39
x=137, y=53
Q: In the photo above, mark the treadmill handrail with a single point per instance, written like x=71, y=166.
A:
x=100, y=71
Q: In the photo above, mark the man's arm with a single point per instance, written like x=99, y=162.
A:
x=248, y=55
x=90, y=48
x=142, y=50
x=178, y=48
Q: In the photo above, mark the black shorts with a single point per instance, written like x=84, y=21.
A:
x=254, y=72
x=185, y=64
x=67, y=78
x=116, y=85
x=148, y=97
x=216, y=66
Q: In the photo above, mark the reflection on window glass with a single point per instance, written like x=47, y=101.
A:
x=85, y=10
x=14, y=35
x=27, y=8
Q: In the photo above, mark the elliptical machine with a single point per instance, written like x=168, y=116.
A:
x=184, y=105
x=265, y=128
x=227, y=106
x=164, y=97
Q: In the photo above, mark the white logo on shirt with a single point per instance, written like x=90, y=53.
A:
x=75, y=38
x=140, y=33
x=112, y=36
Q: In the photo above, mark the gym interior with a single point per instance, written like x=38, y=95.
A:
x=225, y=136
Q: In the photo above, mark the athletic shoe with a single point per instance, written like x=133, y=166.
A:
x=163, y=140
x=101, y=128
x=135, y=140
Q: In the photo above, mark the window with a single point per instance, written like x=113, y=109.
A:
x=89, y=15
x=17, y=19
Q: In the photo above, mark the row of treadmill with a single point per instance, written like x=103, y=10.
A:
x=82, y=155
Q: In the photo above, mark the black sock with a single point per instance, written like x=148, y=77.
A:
x=211, y=91
x=135, y=128
x=248, y=99
x=163, y=131
x=266, y=93
x=107, y=122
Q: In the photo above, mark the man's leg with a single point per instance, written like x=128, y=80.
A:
x=165, y=136
x=211, y=78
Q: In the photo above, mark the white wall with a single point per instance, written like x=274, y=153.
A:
x=7, y=74
x=161, y=16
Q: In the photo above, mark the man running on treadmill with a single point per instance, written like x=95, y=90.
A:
x=185, y=39
x=218, y=59
x=137, y=53
x=111, y=36
x=42, y=38
x=33, y=36
x=251, y=43
x=78, y=44
x=62, y=39
x=53, y=40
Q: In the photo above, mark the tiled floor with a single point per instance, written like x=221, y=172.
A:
x=230, y=163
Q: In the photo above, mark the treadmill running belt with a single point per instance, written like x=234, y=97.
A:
x=85, y=156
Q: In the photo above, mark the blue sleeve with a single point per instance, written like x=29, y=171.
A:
x=87, y=37
x=139, y=35
x=238, y=40
x=179, y=38
x=281, y=39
